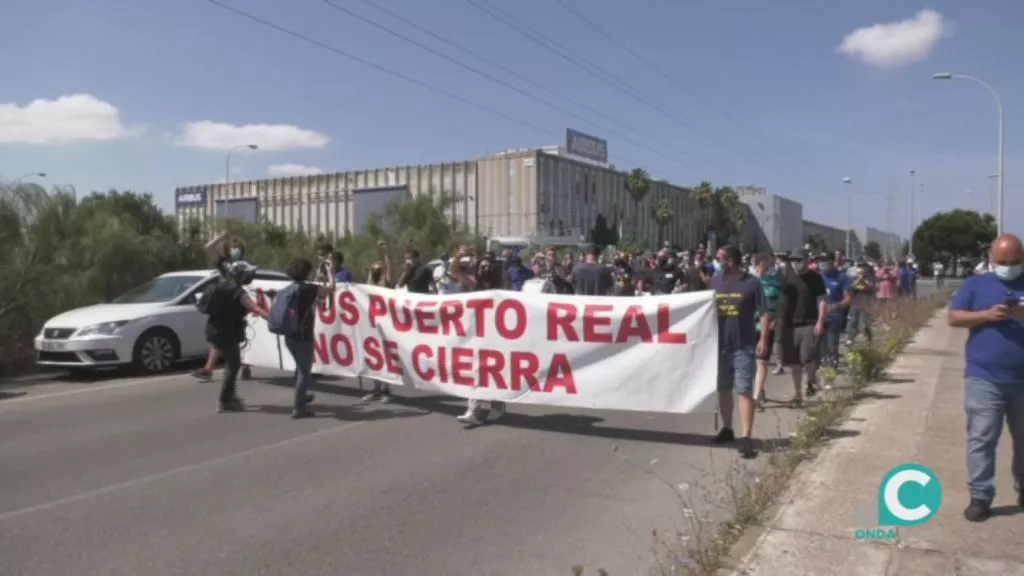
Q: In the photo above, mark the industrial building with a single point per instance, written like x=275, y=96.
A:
x=554, y=190
x=548, y=191
x=890, y=244
x=778, y=221
x=833, y=238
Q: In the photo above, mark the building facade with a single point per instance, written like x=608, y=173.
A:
x=833, y=238
x=331, y=203
x=537, y=191
x=777, y=222
x=890, y=244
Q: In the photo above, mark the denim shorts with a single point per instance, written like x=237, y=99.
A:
x=736, y=370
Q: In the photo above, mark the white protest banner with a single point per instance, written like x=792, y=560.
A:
x=657, y=353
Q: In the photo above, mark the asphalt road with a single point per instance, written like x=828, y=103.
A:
x=140, y=476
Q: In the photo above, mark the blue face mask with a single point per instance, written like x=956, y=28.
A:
x=236, y=253
x=1008, y=273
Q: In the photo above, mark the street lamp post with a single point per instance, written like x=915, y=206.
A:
x=849, y=212
x=913, y=189
x=227, y=163
x=29, y=175
x=1002, y=139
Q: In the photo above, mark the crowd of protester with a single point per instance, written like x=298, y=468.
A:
x=796, y=307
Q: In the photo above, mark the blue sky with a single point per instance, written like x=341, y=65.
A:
x=799, y=115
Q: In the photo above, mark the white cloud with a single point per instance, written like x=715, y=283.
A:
x=68, y=119
x=893, y=44
x=207, y=135
x=287, y=170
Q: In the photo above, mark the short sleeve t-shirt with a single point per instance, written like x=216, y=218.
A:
x=800, y=296
x=739, y=302
x=593, y=279
x=837, y=283
x=995, y=351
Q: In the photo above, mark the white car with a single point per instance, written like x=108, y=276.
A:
x=149, y=327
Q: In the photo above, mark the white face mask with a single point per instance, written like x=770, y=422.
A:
x=1008, y=272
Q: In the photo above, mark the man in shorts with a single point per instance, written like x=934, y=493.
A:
x=740, y=298
x=801, y=322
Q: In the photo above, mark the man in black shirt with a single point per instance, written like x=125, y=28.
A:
x=417, y=277
x=591, y=278
x=801, y=322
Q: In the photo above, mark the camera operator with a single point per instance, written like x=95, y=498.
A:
x=225, y=251
x=226, y=306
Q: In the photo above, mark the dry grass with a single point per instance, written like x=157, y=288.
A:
x=703, y=546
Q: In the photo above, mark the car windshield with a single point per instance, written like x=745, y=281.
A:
x=161, y=289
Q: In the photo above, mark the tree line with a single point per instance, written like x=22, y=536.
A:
x=62, y=252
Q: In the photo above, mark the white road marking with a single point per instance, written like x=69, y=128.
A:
x=101, y=388
x=180, y=470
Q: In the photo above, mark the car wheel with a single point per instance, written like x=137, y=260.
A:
x=156, y=351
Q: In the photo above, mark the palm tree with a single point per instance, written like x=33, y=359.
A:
x=638, y=183
x=704, y=194
x=722, y=211
x=663, y=213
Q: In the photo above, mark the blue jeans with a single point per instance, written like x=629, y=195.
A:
x=830, y=343
x=857, y=321
x=302, y=352
x=987, y=406
x=736, y=370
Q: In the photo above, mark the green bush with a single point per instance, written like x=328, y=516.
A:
x=61, y=252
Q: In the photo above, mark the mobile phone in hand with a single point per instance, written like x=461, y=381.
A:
x=1012, y=300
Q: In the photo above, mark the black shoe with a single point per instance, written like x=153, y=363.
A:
x=298, y=413
x=978, y=511
x=310, y=397
x=724, y=436
x=746, y=449
x=235, y=405
x=811, y=389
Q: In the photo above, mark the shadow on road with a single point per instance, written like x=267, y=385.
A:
x=4, y=395
x=578, y=424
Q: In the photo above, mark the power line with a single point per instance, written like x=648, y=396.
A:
x=505, y=69
x=602, y=74
x=505, y=84
x=657, y=69
x=661, y=72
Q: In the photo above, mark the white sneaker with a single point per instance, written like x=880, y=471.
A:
x=469, y=417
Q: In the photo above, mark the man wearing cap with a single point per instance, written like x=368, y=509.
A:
x=801, y=322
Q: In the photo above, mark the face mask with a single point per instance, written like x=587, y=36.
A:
x=408, y=262
x=1008, y=272
x=718, y=266
x=236, y=253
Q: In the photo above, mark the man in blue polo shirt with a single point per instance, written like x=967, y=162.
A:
x=840, y=294
x=992, y=307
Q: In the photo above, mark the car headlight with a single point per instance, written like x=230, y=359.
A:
x=104, y=329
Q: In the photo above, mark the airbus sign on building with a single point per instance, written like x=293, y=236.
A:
x=191, y=197
x=586, y=146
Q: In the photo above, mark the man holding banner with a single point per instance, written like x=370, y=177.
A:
x=740, y=298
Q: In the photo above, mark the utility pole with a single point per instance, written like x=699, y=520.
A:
x=889, y=198
x=913, y=189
